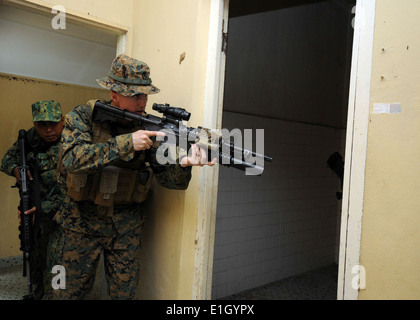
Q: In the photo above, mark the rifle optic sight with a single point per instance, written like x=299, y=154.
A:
x=172, y=112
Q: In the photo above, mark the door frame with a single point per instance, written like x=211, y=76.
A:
x=213, y=108
x=356, y=151
x=355, y=155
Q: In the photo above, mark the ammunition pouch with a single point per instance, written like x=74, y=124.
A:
x=110, y=186
x=119, y=183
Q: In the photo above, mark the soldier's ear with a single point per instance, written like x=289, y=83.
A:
x=114, y=96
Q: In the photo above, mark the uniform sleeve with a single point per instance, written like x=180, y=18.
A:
x=12, y=157
x=171, y=176
x=80, y=154
x=174, y=177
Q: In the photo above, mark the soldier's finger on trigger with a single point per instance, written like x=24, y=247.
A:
x=155, y=133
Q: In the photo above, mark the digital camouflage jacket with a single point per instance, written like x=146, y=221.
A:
x=81, y=155
x=43, y=155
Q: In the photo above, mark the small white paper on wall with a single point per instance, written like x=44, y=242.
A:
x=391, y=108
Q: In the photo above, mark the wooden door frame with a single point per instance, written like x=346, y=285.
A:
x=213, y=105
x=356, y=151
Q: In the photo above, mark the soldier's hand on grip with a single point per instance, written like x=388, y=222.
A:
x=142, y=141
x=30, y=211
x=197, y=157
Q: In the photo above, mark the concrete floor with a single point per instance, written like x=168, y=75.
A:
x=13, y=286
x=320, y=284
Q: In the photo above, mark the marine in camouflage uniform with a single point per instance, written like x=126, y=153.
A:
x=43, y=146
x=109, y=175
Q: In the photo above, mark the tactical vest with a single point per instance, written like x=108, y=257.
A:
x=120, y=182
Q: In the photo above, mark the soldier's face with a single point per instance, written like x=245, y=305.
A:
x=50, y=131
x=135, y=104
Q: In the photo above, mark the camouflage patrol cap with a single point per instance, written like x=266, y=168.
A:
x=46, y=110
x=128, y=77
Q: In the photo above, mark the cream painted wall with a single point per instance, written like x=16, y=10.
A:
x=168, y=31
x=109, y=12
x=391, y=227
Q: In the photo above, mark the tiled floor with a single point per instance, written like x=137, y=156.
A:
x=320, y=284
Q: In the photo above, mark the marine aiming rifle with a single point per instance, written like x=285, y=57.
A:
x=216, y=145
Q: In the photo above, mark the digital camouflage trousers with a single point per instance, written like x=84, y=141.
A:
x=79, y=254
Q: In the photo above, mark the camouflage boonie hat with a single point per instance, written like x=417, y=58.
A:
x=46, y=110
x=128, y=77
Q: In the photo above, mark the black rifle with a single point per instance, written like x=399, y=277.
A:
x=217, y=146
x=26, y=202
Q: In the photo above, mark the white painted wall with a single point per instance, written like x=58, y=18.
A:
x=284, y=222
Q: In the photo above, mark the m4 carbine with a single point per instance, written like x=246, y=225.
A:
x=215, y=144
x=26, y=202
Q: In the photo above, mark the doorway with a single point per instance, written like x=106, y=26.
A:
x=287, y=72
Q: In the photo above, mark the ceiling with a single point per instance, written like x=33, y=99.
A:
x=244, y=7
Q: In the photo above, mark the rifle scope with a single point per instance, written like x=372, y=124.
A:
x=172, y=112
